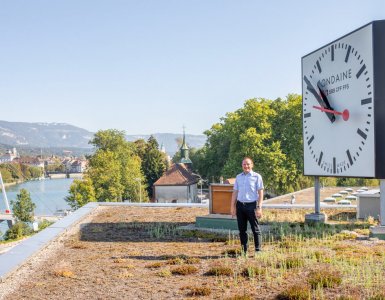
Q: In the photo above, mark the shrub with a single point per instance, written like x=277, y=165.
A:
x=292, y=262
x=378, y=296
x=217, y=271
x=44, y=224
x=184, y=270
x=199, y=291
x=192, y=260
x=164, y=273
x=295, y=292
x=175, y=261
x=251, y=272
x=64, y=273
x=232, y=252
x=154, y=265
x=17, y=231
x=324, y=277
x=240, y=297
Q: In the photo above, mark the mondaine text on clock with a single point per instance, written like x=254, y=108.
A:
x=336, y=78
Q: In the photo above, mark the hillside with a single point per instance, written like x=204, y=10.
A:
x=56, y=137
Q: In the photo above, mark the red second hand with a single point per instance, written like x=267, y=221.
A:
x=345, y=113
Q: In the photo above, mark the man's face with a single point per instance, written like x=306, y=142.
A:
x=247, y=165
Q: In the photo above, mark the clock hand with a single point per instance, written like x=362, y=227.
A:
x=324, y=98
x=345, y=113
x=320, y=100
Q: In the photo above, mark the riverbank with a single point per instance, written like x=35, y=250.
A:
x=64, y=175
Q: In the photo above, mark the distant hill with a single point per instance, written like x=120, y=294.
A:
x=56, y=137
x=43, y=135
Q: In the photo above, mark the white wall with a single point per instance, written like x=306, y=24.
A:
x=178, y=194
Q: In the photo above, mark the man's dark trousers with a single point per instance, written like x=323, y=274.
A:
x=246, y=213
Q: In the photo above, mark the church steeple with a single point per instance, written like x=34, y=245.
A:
x=184, y=150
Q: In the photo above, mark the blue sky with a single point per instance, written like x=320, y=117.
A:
x=154, y=66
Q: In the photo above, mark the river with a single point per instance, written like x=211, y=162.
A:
x=48, y=195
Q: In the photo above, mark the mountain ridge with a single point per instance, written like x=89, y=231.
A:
x=64, y=135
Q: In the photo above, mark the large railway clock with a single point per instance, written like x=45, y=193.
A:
x=343, y=92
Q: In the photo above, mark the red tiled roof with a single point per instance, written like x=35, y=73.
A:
x=230, y=181
x=177, y=174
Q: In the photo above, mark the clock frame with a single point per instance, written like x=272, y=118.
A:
x=343, y=104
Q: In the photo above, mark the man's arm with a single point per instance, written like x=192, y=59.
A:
x=258, y=211
x=234, y=203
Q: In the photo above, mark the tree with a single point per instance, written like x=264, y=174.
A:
x=112, y=172
x=81, y=192
x=23, y=208
x=153, y=163
x=249, y=131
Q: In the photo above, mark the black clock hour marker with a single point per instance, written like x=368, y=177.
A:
x=366, y=101
x=334, y=160
x=311, y=139
x=362, y=134
x=319, y=67
x=347, y=54
x=307, y=115
x=349, y=157
x=360, y=71
x=320, y=158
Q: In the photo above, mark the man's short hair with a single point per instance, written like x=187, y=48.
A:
x=247, y=157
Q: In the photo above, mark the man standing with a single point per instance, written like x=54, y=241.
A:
x=246, y=203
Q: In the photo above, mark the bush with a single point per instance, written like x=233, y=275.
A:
x=44, y=224
x=218, y=271
x=251, y=272
x=199, y=291
x=184, y=270
x=324, y=277
x=17, y=231
x=295, y=292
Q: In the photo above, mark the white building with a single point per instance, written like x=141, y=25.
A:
x=178, y=184
x=9, y=156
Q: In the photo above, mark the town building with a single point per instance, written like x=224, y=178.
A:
x=178, y=184
x=9, y=156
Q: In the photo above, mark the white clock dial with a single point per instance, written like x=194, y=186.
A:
x=338, y=118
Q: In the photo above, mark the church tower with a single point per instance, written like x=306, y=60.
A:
x=184, y=151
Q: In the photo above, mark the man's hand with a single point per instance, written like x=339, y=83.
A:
x=258, y=213
x=233, y=211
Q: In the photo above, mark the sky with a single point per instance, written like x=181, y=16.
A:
x=154, y=66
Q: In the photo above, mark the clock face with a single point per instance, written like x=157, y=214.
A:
x=338, y=118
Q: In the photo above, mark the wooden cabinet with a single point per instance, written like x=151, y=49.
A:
x=220, y=198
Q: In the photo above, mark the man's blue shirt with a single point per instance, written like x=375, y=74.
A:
x=248, y=186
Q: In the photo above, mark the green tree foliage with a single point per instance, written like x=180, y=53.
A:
x=17, y=231
x=13, y=172
x=23, y=208
x=249, y=131
x=56, y=167
x=153, y=163
x=270, y=132
x=81, y=192
x=113, y=171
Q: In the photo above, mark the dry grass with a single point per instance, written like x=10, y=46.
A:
x=197, y=290
x=299, y=291
x=184, y=270
x=64, y=273
x=325, y=276
x=139, y=253
x=220, y=271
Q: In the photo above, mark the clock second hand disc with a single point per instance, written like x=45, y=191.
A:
x=345, y=113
